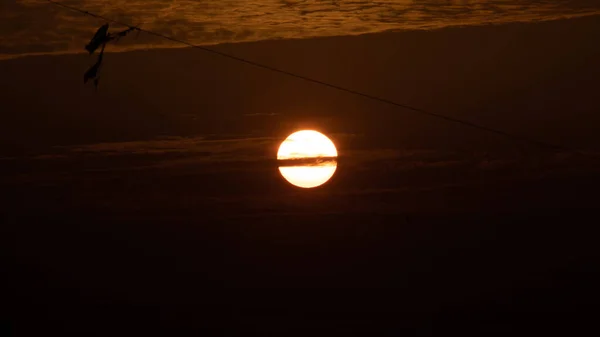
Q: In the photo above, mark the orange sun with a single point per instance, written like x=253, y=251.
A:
x=303, y=145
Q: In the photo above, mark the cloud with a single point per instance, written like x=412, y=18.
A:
x=35, y=26
x=186, y=148
x=270, y=114
x=175, y=170
x=259, y=152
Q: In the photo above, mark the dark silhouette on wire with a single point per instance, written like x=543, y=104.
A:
x=101, y=38
x=333, y=86
x=92, y=73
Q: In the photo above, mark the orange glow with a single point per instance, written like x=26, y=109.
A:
x=307, y=144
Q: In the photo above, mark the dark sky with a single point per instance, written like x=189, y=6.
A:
x=154, y=205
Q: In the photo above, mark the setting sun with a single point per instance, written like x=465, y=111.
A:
x=310, y=155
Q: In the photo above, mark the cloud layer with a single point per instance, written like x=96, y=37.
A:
x=241, y=173
x=35, y=26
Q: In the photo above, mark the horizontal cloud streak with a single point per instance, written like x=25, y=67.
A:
x=204, y=153
x=174, y=172
x=35, y=26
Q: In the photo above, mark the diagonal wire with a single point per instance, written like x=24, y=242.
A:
x=326, y=84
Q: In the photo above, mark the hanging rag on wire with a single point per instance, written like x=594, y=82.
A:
x=92, y=73
x=101, y=38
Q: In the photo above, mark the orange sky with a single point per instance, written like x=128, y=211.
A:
x=34, y=26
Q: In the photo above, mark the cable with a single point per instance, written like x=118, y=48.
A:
x=333, y=86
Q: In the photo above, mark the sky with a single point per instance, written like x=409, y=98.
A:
x=35, y=26
x=187, y=110
x=154, y=205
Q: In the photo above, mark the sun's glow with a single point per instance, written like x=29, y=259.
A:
x=304, y=145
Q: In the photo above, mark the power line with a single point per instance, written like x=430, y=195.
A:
x=319, y=82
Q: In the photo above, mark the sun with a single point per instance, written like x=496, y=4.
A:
x=307, y=158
